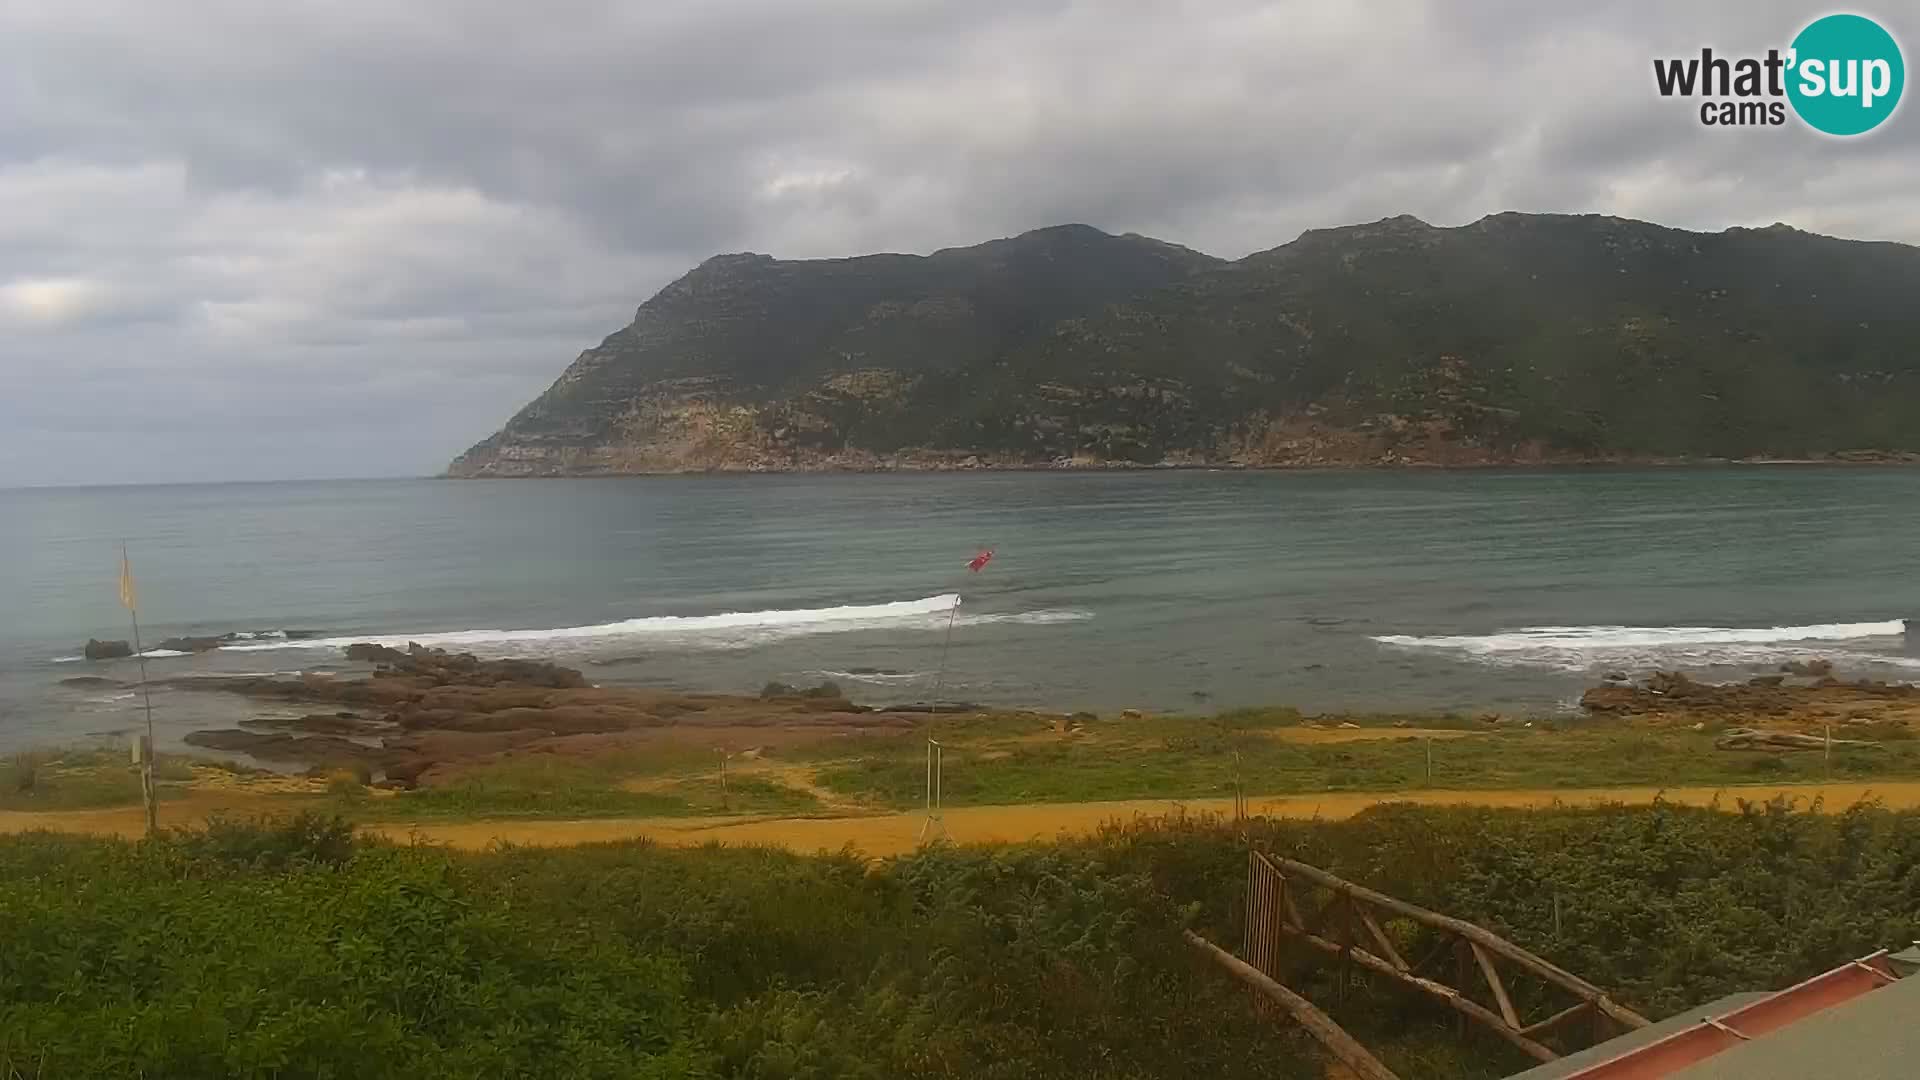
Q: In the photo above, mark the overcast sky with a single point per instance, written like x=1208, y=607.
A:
x=254, y=239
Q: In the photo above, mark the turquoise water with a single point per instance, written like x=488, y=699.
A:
x=1164, y=590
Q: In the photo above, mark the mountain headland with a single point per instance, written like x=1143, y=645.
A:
x=1517, y=339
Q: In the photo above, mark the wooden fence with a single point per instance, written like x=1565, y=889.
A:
x=1350, y=923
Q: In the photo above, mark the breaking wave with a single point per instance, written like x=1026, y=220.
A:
x=1578, y=648
x=876, y=678
x=731, y=629
x=1028, y=618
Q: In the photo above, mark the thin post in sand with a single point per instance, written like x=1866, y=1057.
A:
x=935, y=827
x=130, y=600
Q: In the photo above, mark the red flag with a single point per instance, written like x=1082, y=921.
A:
x=979, y=562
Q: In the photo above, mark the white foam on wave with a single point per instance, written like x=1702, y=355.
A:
x=731, y=629
x=68, y=659
x=876, y=678
x=1044, y=617
x=1579, y=648
x=1619, y=637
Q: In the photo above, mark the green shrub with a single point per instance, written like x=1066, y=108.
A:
x=304, y=839
x=20, y=773
x=288, y=948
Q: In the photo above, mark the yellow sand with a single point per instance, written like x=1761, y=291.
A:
x=893, y=833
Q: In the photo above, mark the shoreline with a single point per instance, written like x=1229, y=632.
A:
x=443, y=746
x=1883, y=459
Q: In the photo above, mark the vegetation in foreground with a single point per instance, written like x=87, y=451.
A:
x=294, y=949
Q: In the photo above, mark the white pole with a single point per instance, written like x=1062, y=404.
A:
x=934, y=827
x=941, y=676
x=146, y=692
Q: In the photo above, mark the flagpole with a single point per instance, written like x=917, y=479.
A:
x=941, y=676
x=974, y=566
x=146, y=692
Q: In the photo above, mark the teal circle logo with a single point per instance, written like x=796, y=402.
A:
x=1846, y=74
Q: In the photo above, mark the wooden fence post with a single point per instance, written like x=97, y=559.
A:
x=1321, y=1026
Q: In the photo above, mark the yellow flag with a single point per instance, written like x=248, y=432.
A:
x=127, y=598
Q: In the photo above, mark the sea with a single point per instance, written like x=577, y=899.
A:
x=1175, y=591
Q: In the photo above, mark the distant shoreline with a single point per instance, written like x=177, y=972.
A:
x=1880, y=459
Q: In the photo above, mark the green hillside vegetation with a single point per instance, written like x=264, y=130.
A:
x=1518, y=338
x=293, y=949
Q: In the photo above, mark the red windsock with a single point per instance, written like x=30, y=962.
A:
x=979, y=562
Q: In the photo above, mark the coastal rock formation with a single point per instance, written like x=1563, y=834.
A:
x=1516, y=339
x=424, y=711
x=1673, y=698
x=443, y=668
x=106, y=650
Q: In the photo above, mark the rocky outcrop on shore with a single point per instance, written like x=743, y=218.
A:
x=423, y=713
x=1803, y=695
x=193, y=643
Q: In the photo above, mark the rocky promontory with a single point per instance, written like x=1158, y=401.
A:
x=1517, y=339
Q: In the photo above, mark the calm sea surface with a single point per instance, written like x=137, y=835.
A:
x=1181, y=591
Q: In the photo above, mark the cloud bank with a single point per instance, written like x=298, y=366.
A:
x=247, y=241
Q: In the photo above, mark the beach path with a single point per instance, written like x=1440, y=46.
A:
x=899, y=832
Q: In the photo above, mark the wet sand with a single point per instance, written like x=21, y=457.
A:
x=895, y=833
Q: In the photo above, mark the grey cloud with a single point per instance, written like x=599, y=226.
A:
x=354, y=236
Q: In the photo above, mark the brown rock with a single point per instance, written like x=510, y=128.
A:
x=106, y=650
x=321, y=724
x=318, y=749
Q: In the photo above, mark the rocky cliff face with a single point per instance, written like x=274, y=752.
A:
x=1518, y=338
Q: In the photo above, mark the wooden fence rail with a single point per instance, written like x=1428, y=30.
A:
x=1277, y=889
x=1356, y=1057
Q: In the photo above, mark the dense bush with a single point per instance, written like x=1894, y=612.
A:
x=1664, y=906
x=291, y=949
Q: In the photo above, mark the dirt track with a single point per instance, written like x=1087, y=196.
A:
x=891, y=834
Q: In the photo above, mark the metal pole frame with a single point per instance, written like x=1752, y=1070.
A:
x=147, y=794
x=935, y=827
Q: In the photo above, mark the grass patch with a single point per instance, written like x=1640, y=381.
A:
x=1174, y=757
x=81, y=779
x=745, y=793
x=534, y=786
x=548, y=786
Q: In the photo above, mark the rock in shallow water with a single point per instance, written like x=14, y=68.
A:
x=106, y=650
